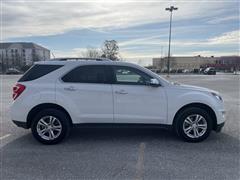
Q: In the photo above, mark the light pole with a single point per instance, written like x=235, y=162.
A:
x=171, y=9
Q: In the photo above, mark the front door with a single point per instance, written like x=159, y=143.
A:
x=135, y=101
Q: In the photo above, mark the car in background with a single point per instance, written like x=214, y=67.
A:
x=196, y=71
x=201, y=70
x=173, y=70
x=210, y=71
x=236, y=72
x=164, y=71
x=13, y=71
x=185, y=71
x=180, y=71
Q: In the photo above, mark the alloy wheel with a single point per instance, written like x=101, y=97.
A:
x=49, y=127
x=195, y=126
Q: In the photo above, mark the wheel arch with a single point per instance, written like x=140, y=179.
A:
x=40, y=107
x=198, y=105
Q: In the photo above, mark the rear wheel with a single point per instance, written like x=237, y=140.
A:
x=50, y=126
x=193, y=124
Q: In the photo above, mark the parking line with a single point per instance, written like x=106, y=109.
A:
x=140, y=162
x=5, y=136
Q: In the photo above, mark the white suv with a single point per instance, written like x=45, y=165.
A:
x=54, y=96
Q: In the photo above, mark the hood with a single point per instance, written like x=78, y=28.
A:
x=194, y=88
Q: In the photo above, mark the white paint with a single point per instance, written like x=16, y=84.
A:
x=5, y=136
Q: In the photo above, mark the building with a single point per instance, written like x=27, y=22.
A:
x=183, y=62
x=226, y=63
x=20, y=54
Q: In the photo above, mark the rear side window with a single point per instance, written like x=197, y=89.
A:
x=88, y=74
x=38, y=71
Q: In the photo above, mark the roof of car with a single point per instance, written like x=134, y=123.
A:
x=63, y=61
x=87, y=61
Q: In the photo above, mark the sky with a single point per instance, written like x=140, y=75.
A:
x=141, y=28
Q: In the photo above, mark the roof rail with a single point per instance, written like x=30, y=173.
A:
x=77, y=59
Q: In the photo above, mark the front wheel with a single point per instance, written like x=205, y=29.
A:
x=50, y=126
x=193, y=124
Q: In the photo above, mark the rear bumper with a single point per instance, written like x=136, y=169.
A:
x=20, y=124
x=219, y=127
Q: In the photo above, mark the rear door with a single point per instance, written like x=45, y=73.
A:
x=87, y=91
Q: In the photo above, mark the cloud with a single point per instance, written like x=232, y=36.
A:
x=209, y=53
x=226, y=38
x=42, y=18
x=148, y=47
x=75, y=52
x=223, y=19
x=231, y=37
x=140, y=27
x=142, y=41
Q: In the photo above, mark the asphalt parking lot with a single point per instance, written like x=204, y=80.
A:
x=125, y=153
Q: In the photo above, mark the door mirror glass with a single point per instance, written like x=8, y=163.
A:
x=154, y=83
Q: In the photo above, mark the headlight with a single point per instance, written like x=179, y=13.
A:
x=217, y=96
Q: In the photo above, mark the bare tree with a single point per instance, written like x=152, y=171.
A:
x=110, y=50
x=92, y=53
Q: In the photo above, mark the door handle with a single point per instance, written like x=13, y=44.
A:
x=71, y=88
x=121, y=92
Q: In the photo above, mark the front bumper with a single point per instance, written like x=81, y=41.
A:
x=20, y=124
x=219, y=127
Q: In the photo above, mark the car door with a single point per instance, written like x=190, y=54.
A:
x=135, y=101
x=87, y=92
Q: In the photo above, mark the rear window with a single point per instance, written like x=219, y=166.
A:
x=38, y=71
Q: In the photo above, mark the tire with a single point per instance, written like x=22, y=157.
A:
x=50, y=120
x=186, y=127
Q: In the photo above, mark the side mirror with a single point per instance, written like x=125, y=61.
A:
x=154, y=83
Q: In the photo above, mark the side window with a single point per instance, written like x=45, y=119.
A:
x=88, y=74
x=128, y=75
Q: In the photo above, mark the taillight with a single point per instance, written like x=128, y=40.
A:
x=17, y=90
